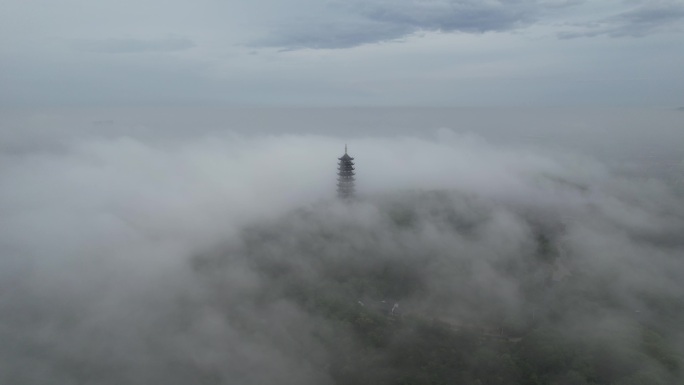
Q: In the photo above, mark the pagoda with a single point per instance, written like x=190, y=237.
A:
x=345, y=176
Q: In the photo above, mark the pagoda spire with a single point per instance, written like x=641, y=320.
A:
x=345, y=175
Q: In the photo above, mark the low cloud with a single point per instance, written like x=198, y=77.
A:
x=350, y=24
x=147, y=256
x=649, y=18
x=355, y=23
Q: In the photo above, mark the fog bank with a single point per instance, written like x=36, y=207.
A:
x=141, y=253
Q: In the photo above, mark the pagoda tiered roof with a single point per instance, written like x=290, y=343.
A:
x=345, y=175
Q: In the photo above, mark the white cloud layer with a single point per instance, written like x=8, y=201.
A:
x=99, y=232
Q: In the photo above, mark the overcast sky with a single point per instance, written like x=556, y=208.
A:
x=342, y=52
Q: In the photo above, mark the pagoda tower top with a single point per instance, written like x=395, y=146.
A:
x=346, y=156
x=345, y=175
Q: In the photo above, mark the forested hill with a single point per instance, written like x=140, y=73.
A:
x=441, y=288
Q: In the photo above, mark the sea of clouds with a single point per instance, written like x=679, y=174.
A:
x=103, y=214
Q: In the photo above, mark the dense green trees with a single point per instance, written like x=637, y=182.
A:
x=414, y=349
x=469, y=314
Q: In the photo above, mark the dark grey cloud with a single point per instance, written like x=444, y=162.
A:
x=354, y=23
x=646, y=19
x=130, y=45
x=335, y=35
x=463, y=16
